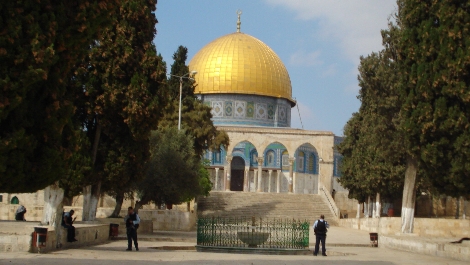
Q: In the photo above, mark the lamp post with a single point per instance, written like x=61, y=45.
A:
x=188, y=76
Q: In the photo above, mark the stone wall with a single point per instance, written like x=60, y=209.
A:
x=35, y=198
x=431, y=248
x=436, y=227
x=7, y=212
x=170, y=220
x=85, y=234
x=15, y=243
x=145, y=226
x=34, y=213
x=440, y=207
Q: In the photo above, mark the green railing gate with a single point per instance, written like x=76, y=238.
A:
x=252, y=232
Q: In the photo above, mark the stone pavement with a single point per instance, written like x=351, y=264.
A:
x=342, y=245
x=337, y=237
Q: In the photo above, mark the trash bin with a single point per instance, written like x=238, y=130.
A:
x=39, y=237
x=374, y=239
x=113, y=230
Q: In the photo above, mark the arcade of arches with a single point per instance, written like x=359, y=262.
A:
x=277, y=160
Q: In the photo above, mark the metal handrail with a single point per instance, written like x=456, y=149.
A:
x=331, y=202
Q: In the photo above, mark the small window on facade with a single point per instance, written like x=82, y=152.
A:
x=270, y=159
x=216, y=157
x=300, y=161
x=1, y=198
x=285, y=160
x=254, y=158
x=15, y=200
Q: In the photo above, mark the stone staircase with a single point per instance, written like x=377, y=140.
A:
x=265, y=205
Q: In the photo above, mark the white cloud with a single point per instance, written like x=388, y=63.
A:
x=302, y=58
x=354, y=24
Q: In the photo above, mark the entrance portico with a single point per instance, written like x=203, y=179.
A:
x=277, y=160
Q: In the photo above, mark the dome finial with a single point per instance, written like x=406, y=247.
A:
x=239, y=12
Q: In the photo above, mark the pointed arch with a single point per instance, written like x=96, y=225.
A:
x=306, y=159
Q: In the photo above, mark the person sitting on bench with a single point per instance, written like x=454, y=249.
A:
x=19, y=216
x=67, y=222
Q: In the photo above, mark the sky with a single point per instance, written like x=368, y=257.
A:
x=319, y=41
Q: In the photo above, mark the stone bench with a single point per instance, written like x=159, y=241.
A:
x=86, y=234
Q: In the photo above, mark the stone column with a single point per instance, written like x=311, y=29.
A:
x=227, y=179
x=260, y=172
x=255, y=179
x=278, y=182
x=216, y=186
x=270, y=180
x=291, y=173
x=246, y=180
x=294, y=181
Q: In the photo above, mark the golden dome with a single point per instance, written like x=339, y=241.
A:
x=241, y=64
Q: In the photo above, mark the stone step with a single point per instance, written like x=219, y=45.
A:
x=264, y=205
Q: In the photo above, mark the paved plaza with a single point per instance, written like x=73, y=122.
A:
x=345, y=246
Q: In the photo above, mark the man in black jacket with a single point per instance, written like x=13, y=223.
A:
x=132, y=221
x=320, y=227
x=67, y=222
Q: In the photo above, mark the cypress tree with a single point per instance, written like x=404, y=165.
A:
x=434, y=61
x=40, y=44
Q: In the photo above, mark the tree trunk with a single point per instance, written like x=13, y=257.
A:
x=457, y=208
x=91, y=193
x=366, y=208
x=119, y=201
x=409, y=195
x=91, y=196
x=53, y=209
x=358, y=214
x=67, y=201
x=378, y=206
x=374, y=208
x=139, y=204
x=464, y=215
x=53, y=205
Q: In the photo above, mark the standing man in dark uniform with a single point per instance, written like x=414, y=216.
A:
x=132, y=221
x=320, y=227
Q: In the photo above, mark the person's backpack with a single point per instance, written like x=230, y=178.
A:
x=320, y=228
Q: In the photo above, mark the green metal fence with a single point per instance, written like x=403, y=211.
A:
x=252, y=232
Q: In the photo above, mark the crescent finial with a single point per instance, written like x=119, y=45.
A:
x=239, y=12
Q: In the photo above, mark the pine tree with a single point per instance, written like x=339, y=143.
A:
x=40, y=44
x=183, y=175
x=373, y=152
x=122, y=101
x=434, y=57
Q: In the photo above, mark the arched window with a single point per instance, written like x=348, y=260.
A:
x=300, y=161
x=216, y=157
x=254, y=158
x=285, y=160
x=270, y=159
x=15, y=200
x=312, y=163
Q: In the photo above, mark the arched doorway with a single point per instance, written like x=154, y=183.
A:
x=237, y=173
